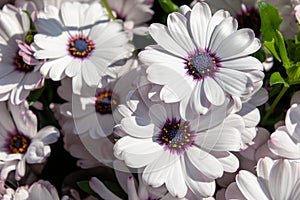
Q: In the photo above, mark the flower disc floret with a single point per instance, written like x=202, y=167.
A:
x=80, y=46
x=175, y=136
x=18, y=143
x=22, y=66
x=249, y=18
x=201, y=64
x=103, y=102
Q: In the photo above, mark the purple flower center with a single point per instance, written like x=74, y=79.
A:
x=201, y=64
x=21, y=65
x=18, y=143
x=249, y=18
x=176, y=136
x=104, y=101
x=80, y=46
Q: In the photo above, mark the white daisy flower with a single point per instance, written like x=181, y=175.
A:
x=94, y=112
x=38, y=190
x=19, y=72
x=134, y=13
x=276, y=179
x=79, y=47
x=285, y=141
x=183, y=155
x=201, y=59
x=20, y=142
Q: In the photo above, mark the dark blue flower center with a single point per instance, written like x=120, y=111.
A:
x=18, y=143
x=202, y=64
x=80, y=46
x=176, y=135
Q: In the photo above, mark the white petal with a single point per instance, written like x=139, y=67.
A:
x=292, y=121
x=264, y=166
x=48, y=134
x=161, y=35
x=137, y=152
x=235, y=43
x=228, y=160
x=280, y=184
x=205, y=162
x=234, y=82
x=223, y=30
x=177, y=25
x=249, y=186
x=175, y=182
x=214, y=93
x=214, y=21
x=282, y=144
x=199, y=19
x=242, y=64
x=137, y=127
x=251, y=48
x=157, y=172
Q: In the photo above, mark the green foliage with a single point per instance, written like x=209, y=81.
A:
x=84, y=186
x=260, y=55
x=271, y=36
x=32, y=31
x=277, y=79
x=168, y=6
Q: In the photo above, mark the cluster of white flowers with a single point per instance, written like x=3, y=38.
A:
x=171, y=110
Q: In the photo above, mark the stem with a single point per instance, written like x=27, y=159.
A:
x=111, y=15
x=274, y=104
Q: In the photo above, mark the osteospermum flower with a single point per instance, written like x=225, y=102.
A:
x=38, y=190
x=19, y=71
x=200, y=59
x=185, y=155
x=77, y=47
x=20, y=141
x=285, y=141
x=94, y=112
x=279, y=179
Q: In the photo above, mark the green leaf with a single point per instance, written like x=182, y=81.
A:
x=260, y=55
x=271, y=36
x=276, y=78
x=32, y=31
x=35, y=94
x=282, y=49
x=294, y=72
x=270, y=46
x=168, y=6
x=270, y=20
x=85, y=186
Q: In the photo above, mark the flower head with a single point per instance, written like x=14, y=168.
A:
x=81, y=49
x=200, y=59
x=20, y=141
